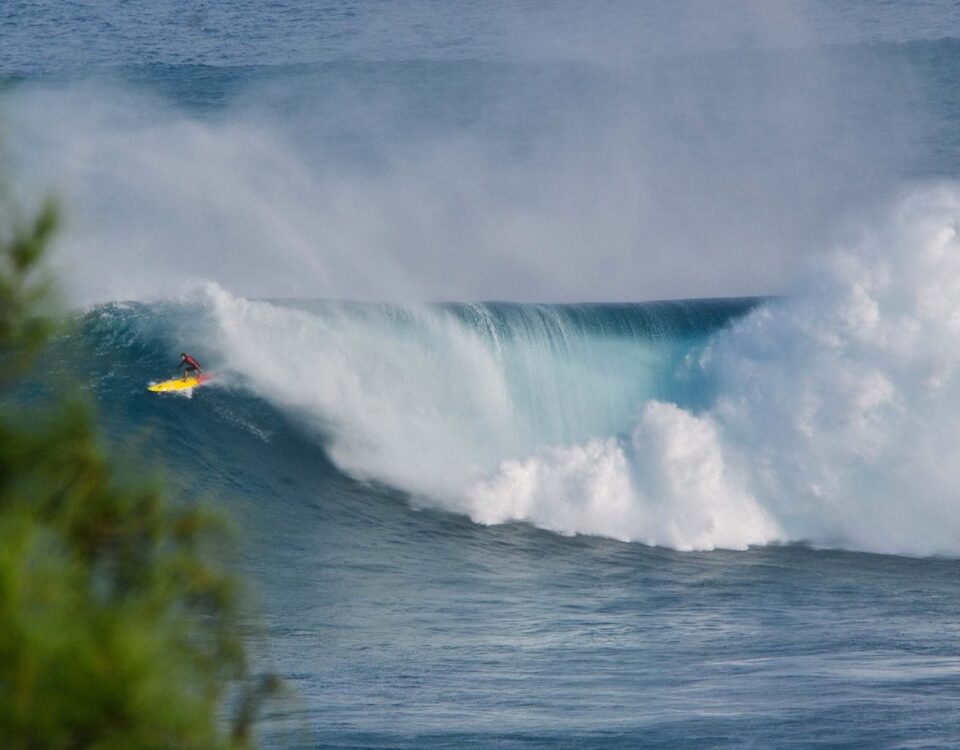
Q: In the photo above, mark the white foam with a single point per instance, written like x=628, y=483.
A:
x=418, y=406
x=836, y=421
x=839, y=416
x=670, y=485
x=843, y=401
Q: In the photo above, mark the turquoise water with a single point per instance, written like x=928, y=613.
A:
x=572, y=518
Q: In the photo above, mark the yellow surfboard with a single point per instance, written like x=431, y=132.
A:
x=179, y=384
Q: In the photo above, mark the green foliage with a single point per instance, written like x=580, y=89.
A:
x=118, y=628
x=25, y=323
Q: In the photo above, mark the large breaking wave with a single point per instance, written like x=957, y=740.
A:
x=827, y=416
x=431, y=399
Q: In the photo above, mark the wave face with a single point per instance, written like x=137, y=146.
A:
x=434, y=399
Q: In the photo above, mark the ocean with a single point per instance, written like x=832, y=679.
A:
x=583, y=371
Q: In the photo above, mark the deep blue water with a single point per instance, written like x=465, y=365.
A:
x=731, y=521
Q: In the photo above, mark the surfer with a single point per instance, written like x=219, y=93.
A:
x=190, y=364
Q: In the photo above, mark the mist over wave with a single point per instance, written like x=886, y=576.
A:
x=824, y=417
x=420, y=180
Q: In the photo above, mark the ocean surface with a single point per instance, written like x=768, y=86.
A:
x=686, y=478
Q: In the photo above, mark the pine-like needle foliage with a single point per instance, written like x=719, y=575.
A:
x=118, y=628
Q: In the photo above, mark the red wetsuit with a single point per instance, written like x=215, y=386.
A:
x=190, y=362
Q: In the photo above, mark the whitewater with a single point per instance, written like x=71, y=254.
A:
x=819, y=417
x=585, y=377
